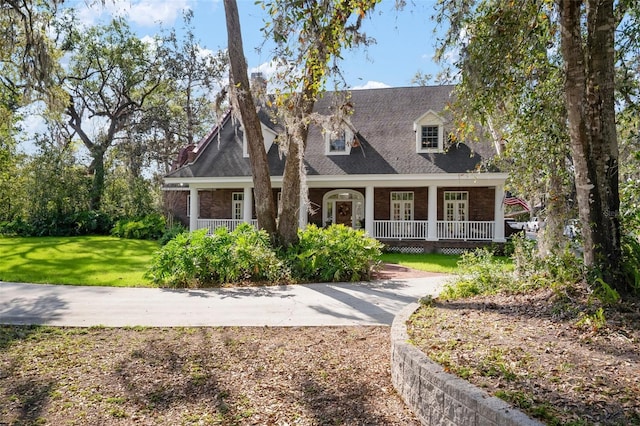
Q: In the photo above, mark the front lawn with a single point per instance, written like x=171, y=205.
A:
x=88, y=260
x=433, y=262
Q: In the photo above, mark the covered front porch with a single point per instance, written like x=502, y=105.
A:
x=464, y=208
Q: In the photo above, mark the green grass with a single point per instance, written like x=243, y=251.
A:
x=91, y=260
x=433, y=262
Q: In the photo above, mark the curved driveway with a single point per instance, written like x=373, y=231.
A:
x=369, y=303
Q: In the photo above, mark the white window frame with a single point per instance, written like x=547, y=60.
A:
x=429, y=119
x=237, y=205
x=461, y=198
x=403, y=200
x=188, y=205
x=330, y=136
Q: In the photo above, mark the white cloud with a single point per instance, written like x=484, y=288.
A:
x=275, y=73
x=150, y=41
x=146, y=13
x=371, y=85
x=268, y=69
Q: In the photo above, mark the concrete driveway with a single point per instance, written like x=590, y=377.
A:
x=335, y=304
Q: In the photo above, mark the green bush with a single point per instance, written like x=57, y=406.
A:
x=631, y=261
x=149, y=227
x=553, y=270
x=17, y=227
x=336, y=253
x=197, y=260
x=59, y=225
x=194, y=259
x=172, y=232
x=479, y=272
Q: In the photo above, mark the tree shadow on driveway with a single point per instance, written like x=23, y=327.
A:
x=31, y=311
x=376, y=304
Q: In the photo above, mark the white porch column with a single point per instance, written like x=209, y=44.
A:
x=432, y=213
x=303, y=213
x=194, y=209
x=247, y=208
x=498, y=216
x=369, y=195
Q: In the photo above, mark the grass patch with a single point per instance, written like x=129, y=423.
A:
x=86, y=260
x=432, y=262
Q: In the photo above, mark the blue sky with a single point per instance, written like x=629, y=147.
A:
x=405, y=40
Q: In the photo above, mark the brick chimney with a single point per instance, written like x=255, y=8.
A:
x=258, y=84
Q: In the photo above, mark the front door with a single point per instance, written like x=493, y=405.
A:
x=455, y=205
x=343, y=212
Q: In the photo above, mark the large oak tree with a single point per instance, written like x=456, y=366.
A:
x=310, y=37
x=111, y=75
x=582, y=34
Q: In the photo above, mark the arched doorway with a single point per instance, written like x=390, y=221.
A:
x=344, y=206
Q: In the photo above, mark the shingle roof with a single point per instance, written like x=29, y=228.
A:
x=384, y=121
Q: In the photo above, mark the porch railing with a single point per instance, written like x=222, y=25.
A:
x=401, y=229
x=213, y=224
x=467, y=230
x=395, y=229
x=445, y=230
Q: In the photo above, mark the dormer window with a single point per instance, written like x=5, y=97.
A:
x=429, y=137
x=429, y=133
x=338, y=143
x=268, y=135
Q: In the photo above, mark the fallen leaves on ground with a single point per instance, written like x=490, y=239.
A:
x=555, y=355
x=198, y=376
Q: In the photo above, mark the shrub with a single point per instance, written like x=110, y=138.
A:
x=91, y=222
x=197, y=260
x=479, y=272
x=553, y=270
x=631, y=261
x=17, y=227
x=149, y=227
x=172, y=232
x=336, y=253
x=194, y=259
x=86, y=222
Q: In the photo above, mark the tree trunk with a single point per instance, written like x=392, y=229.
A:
x=265, y=207
x=97, y=185
x=589, y=88
x=288, y=222
x=294, y=177
x=551, y=238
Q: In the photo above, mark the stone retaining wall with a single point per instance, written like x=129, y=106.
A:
x=439, y=398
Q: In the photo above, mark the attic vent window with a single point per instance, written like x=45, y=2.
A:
x=429, y=137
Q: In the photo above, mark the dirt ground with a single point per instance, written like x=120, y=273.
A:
x=555, y=355
x=198, y=376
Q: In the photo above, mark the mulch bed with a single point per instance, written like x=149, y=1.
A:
x=552, y=354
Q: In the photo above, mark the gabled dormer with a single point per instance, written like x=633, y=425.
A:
x=429, y=131
x=269, y=136
x=338, y=142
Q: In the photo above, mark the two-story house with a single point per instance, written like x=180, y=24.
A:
x=392, y=171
